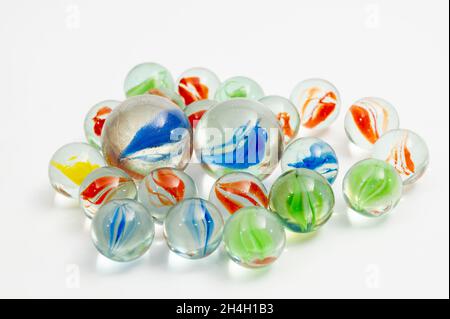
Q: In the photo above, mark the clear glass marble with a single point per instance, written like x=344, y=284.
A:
x=147, y=76
x=286, y=113
x=372, y=187
x=368, y=119
x=303, y=200
x=197, y=84
x=239, y=87
x=237, y=190
x=163, y=188
x=193, y=228
x=70, y=165
x=254, y=237
x=95, y=120
x=406, y=151
x=311, y=153
x=103, y=185
x=122, y=230
x=318, y=102
x=239, y=135
x=146, y=132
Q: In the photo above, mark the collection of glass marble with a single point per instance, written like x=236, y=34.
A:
x=130, y=175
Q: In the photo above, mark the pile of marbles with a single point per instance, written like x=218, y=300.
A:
x=130, y=175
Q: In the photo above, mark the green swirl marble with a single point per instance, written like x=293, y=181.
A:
x=372, y=187
x=303, y=199
x=254, y=237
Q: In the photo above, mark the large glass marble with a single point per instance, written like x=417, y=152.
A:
x=163, y=188
x=239, y=135
x=122, y=230
x=239, y=87
x=237, y=190
x=147, y=76
x=318, y=102
x=303, y=199
x=70, y=165
x=95, y=119
x=146, y=132
x=372, y=187
x=196, y=110
x=193, y=228
x=311, y=153
x=406, y=151
x=287, y=115
x=197, y=84
x=368, y=119
x=103, y=185
x=254, y=237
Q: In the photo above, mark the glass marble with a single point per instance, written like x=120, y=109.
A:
x=239, y=87
x=172, y=96
x=406, y=151
x=254, y=237
x=311, y=153
x=193, y=228
x=197, y=84
x=318, y=102
x=146, y=132
x=286, y=113
x=196, y=110
x=163, y=188
x=147, y=76
x=239, y=135
x=237, y=190
x=70, y=165
x=122, y=230
x=103, y=185
x=95, y=120
x=303, y=200
x=368, y=119
x=372, y=187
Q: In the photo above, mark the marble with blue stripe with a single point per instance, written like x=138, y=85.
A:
x=314, y=154
x=193, y=228
x=122, y=230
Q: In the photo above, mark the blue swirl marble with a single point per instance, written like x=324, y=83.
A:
x=156, y=133
x=120, y=229
x=200, y=225
x=247, y=148
x=321, y=159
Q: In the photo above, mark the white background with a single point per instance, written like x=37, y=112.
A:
x=58, y=58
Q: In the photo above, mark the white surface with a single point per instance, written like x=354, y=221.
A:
x=58, y=58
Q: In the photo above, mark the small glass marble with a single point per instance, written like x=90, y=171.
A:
x=122, y=230
x=303, y=200
x=196, y=110
x=318, y=103
x=311, y=153
x=368, y=119
x=70, y=165
x=406, y=151
x=147, y=76
x=95, y=119
x=237, y=190
x=103, y=185
x=193, y=228
x=372, y=187
x=239, y=87
x=197, y=84
x=254, y=237
x=286, y=113
x=163, y=188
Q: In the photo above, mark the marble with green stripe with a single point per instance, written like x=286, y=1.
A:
x=372, y=187
x=254, y=237
x=148, y=76
x=302, y=199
